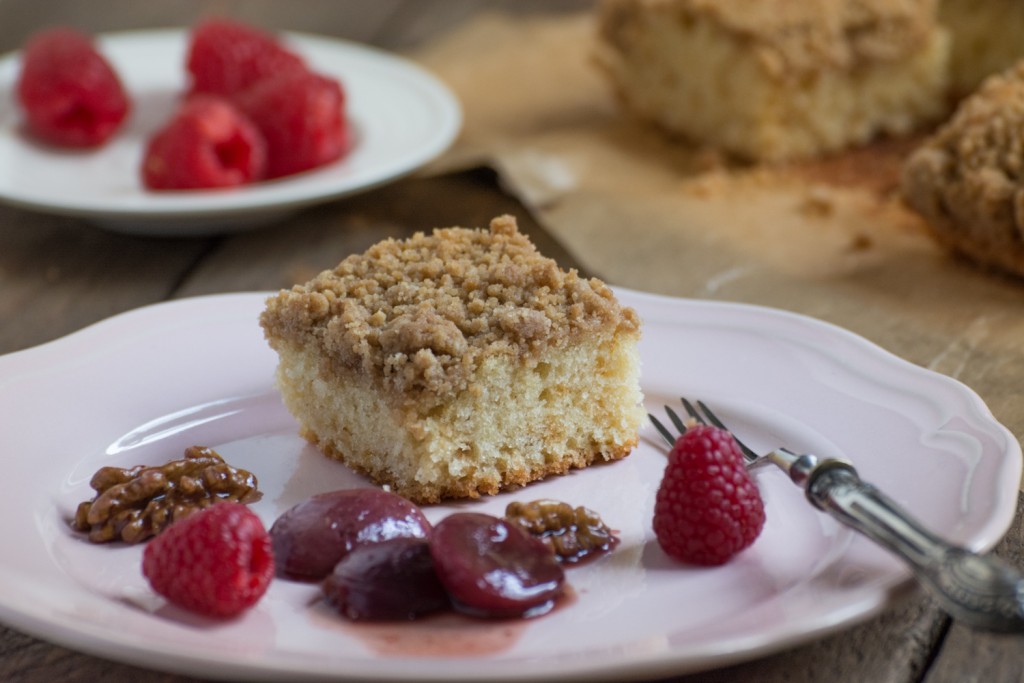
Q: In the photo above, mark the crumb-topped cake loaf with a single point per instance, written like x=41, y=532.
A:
x=967, y=180
x=987, y=39
x=772, y=80
x=458, y=363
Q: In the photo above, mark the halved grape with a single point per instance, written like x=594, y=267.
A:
x=313, y=536
x=391, y=580
x=493, y=568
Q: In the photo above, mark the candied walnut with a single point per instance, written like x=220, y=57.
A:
x=574, y=534
x=134, y=504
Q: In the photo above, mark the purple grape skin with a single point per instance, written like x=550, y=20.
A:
x=310, y=538
x=388, y=581
x=493, y=568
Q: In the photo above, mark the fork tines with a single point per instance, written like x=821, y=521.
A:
x=697, y=414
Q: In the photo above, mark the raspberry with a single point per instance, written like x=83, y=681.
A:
x=707, y=508
x=216, y=562
x=70, y=94
x=225, y=57
x=301, y=116
x=207, y=143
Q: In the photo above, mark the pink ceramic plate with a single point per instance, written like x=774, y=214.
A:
x=140, y=387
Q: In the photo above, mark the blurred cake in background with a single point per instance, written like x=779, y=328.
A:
x=967, y=180
x=988, y=37
x=780, y=79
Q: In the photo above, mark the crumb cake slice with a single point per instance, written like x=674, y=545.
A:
x=967, y=180
x=772, y=80
x=458, y=363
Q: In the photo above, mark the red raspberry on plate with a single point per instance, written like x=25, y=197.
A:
x=707, y=508
x=207, y=143
x=217, y=562
x=71, y=95
x=226, y=57
x=302, y=118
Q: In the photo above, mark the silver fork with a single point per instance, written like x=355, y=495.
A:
x=979, y=590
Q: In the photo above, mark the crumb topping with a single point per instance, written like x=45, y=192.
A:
x=793, y=37
x=423, y=313
x=986, y=134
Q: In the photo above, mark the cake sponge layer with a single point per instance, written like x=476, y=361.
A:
x=986, y=39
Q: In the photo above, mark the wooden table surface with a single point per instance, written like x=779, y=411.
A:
x=60, y=274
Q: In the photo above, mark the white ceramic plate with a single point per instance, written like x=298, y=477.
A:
x=140, y=387
x=402, y=117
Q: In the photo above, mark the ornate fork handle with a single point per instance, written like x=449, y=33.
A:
x=977, y=589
